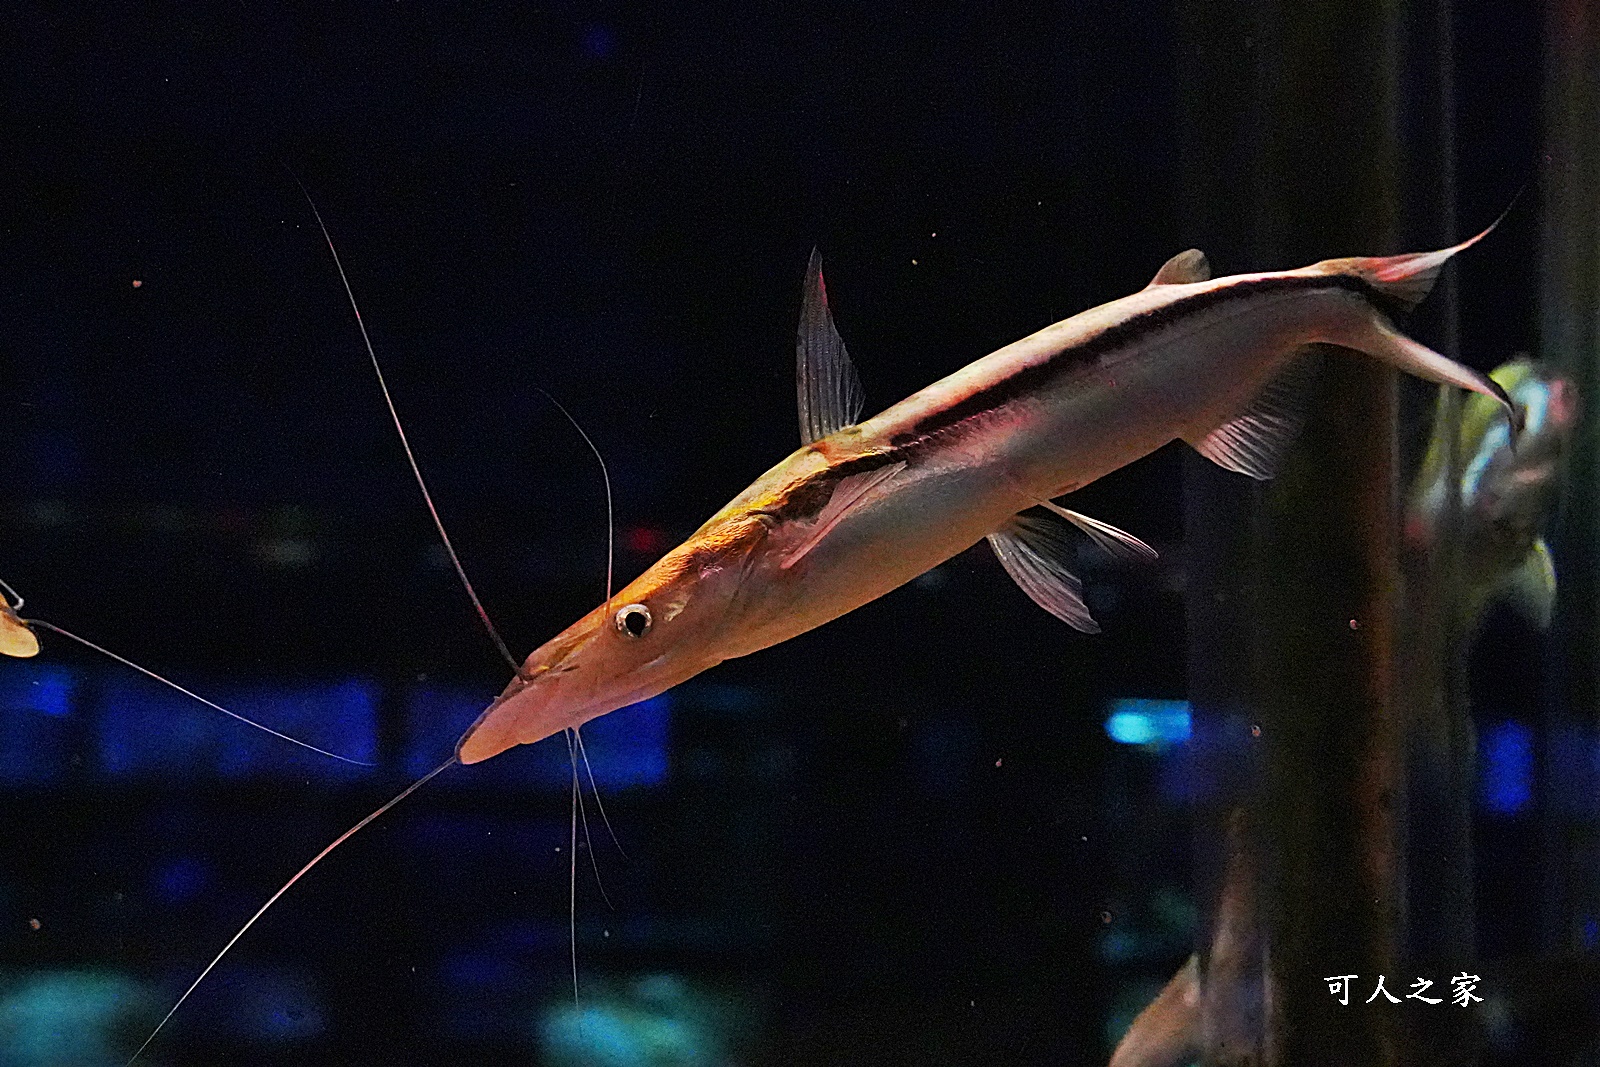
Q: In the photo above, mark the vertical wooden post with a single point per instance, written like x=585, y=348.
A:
x=1569, y=328
x=1292, y=602
x=1430, y=667
x=1219, y=74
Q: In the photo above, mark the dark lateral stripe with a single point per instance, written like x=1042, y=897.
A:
x=808, y=497
x=1124, y=334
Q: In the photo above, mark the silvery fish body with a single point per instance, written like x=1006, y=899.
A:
x=862, y=508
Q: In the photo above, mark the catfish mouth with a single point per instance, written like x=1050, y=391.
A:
x=529, y=705
x=567, y=689
x=531, y=709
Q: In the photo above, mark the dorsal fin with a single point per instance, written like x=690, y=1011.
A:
x=826, y=382
x=1185, y=267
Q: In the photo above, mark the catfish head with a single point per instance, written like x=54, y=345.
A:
x=675, y=620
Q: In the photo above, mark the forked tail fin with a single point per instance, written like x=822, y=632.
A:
x=1382, y=341
x=1409, y=277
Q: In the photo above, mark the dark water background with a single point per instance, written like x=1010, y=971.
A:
x=906, y=837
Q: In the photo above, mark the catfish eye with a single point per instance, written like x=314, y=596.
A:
x=634, y=620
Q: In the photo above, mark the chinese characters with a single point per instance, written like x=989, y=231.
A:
x=1461, y=986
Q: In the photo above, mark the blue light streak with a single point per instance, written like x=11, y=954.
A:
x=1506, y=772
x=1148, y=723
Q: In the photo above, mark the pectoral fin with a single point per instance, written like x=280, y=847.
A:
x=828, y=386
x=1256, y=441
x=851, y=493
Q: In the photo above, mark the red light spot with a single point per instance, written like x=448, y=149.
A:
x=1255, y=731
x=1354, y=625
x=137, y=283
x=644, y=540
x=35, y=923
